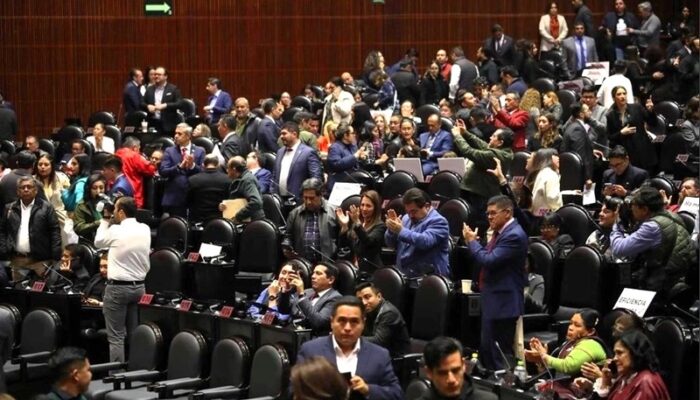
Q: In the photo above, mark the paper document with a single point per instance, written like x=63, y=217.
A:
x=233, y=206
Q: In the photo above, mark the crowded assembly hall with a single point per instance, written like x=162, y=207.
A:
x=507, y=209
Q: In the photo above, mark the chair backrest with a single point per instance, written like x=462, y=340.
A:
x=431, y=308
x=417, y=389
x=390, y=282
x=347, y=277
x=272, y=207
x=302, y=102
x=88, y=258
x=663, y=183
x=172, y=232
x=165, y=274
x=288, y=114
x=566, y=98
x=115, y=134
x=543, y=259
x=9, y=317
x=688, y=220
x=656, y=124
x=444, y=186
x=230, y=361
x=188, y=107
x=269, y=372
x=670, y=110
x=446, y=124
x=146, y=347
x=397, y=183
x=517, y=167
x=98, y=159
x=267, y=161
x=395, y=204
x=41, y=331
x=576, y=222
x=187, y=356
x=544, y=85
x=48, y=146
x=673, y=145
x=304, y=267
x=162, y=142
x=456, y=211
x=364, y=178
x=89, y=147
x=605, y=327
x=582, y=279
x=7, y=146
x=353, y=200
x=204, y=142
x=426, y=110
x=135, y=118
x=102, y=117
x=571, y=169
x=672, y=340
x=259, y=247
x=221, y=232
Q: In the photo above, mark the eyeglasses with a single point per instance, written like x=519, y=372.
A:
x=27, y=187
x=495, y=212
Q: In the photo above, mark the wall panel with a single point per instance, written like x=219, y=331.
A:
x=70, y=57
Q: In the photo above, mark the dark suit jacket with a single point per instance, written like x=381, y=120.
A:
x=177, y=179
x=373, y=366
x=171, y=97
x=341, y=161
x=639, y=147
x=131, y=97
x=385, y=327
x=505, y=54
x=263, y=176
x=317, y=316
x=584, y=15
x=504, y=274
x=305, y=165
x=246, y=187
x=233, y=145
x=222, y=106
x=441, y=145
x=576, y=140
x=367, y=244
x=268, y=132
x=205, y=192
x=631, y=179
x=8, y=187
x=8, y=124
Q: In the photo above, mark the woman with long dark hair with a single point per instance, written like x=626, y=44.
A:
x=433, y=87
x=87, y=217
x=54, y=182
x=362, y=230
x=78, y=171
x=626, y=128
x=547, y=135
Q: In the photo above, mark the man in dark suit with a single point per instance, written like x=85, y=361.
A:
x=268, y=131
x=384, y=324
x=218, y=102
x=501, y=46
x=246, y=122
x=244, y=186
x=315, y=304
x=343, y=155
x=434, y=144
x=179, y=163
x=161, y=101
x=579, y=49
x=231, y=144
x=502, y=279
x=296, y=162
x=8, y=124
x=8, y=184
x=206, y=190
x=263, y=175
x=131, y=96
x=622, y=177
x=584, y=16
x=369, y=365
x=576, y=139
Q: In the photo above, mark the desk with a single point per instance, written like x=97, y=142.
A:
x=288, y=337
x=165, y=316
x=470, y=319
x=212, y=281
x=242, y=328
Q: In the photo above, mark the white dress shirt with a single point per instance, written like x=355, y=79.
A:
x=346, y=363
x=158, y=94
x=129, y=246
x=22, y=245
x=285, y=166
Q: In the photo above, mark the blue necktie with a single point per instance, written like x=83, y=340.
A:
x=581, y=55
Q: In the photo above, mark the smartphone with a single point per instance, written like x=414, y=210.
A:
x=347, y=376
x=613, y=368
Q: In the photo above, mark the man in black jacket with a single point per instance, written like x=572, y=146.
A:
x=244, y=186
x=384, y=324
x=29, y=232
x=161, y=101
x=8, y=184
x=232, y=144
x=206, y=190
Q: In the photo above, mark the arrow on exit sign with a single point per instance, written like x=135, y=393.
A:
x=158, y=8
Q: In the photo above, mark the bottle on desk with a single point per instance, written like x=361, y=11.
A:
x=520, y=371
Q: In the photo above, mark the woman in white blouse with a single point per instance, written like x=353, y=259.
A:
x=99, y=141
x=543, y=181
x=553, y=28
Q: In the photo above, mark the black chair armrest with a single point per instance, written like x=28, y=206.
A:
x=165, y=388
x=23, y=359
x=536, y=322
x=141, y=375
x=104, y=367
x=407, y=367
x=219, y=392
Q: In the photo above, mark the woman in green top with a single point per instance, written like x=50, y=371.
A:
x=581, y=346
x=86, y=217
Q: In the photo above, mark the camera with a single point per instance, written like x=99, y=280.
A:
x=106, y=203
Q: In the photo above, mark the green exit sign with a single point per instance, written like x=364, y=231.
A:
x=158, y=8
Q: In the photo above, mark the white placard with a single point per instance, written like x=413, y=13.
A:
x=691, y=205
x=343, y=190
x=208, y=250
x=597, y=71
x=456, y=165
x=412, y=165
x=589, y=195
x=635, y=300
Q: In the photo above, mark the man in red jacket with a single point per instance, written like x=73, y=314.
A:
x=135, y=167
x=512, y=117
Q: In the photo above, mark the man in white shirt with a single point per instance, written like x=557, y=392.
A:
x=368, y=365
x=617, y=79
x=129, y=243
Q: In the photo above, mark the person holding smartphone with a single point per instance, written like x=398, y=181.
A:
x=270, y=295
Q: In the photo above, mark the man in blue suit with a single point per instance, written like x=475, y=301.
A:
x=218, y=103
x=261, y=174
x=295, y=163
x=343, y=155
x=179, y=163
x=501, y=280
x=369, y=365
x=433, y=144
x=131, y=97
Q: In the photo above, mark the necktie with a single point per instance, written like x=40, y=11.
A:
x=489, y=246
x=183, y=152
x=582, y=55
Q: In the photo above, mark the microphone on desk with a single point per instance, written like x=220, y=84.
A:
x=365, y=260
x=317, y=251
x=50, y=268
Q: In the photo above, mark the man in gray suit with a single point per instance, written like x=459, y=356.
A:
x=314, y=305
x=579, y=49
